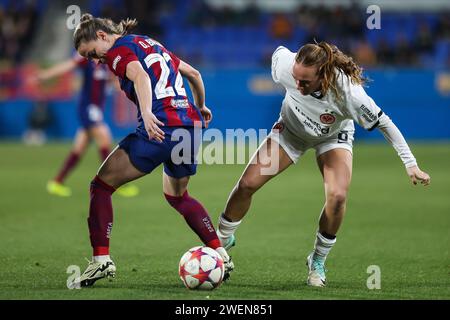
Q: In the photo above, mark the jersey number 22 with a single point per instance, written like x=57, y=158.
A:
x=161, y=88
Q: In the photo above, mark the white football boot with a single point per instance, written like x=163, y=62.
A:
x=316, y=272
x=94, y=272
x=229, y=265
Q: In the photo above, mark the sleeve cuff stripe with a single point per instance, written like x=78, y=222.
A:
x=374, y=126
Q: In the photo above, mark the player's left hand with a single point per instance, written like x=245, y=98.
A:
x=416, y=175
x=207, y=115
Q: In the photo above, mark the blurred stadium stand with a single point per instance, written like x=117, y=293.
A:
x=231, y=42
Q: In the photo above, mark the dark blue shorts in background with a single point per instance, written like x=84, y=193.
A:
x=90, y=116
x=146, y=154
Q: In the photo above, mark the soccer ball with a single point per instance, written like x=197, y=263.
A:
x=201, y=268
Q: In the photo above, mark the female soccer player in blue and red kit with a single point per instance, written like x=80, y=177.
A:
x=90, y=116
x=151, y=77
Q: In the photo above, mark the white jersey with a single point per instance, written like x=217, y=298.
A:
x=314, y=117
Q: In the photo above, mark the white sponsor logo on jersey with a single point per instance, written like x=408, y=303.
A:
x=115, y=62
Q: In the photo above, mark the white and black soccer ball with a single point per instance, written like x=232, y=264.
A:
x=201, y=268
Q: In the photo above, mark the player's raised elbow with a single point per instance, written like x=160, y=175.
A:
x=189, y=72
x=194, y=75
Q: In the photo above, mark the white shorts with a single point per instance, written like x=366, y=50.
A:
x=295, y=147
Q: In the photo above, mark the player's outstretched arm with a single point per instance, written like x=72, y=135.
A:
x=197, y=87
x=143, y=88
x=57, y=70
x=396, y=139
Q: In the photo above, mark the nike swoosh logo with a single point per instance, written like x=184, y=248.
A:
x=101, y=269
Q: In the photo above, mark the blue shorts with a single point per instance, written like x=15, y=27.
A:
x=178, y=151
x=90, y=115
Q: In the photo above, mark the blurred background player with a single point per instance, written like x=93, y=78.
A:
x=324, y=95
x=151, y=77
x=90, y=115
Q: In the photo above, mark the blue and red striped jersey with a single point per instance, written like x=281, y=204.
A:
x=170, y=104
x=94, y=82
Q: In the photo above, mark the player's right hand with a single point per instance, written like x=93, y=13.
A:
x=415, y=174
x=207, y=115
x=152, y=126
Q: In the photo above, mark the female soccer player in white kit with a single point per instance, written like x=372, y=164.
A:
x=324, y=96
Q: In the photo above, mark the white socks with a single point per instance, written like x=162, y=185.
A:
x=322, y=246
x=226, y=228
x=101, y=258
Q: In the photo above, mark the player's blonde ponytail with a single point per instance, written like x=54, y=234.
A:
x=328, y=58
x=88, y=27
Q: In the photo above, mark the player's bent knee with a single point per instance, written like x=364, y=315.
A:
x=336, y=199
x=247, y=186
x=109, y=177
x=97, y=181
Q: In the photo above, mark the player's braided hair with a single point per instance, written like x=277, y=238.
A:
x=88, y=27
x=329, y=58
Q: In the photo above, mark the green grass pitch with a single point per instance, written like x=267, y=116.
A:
x=389, y=223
